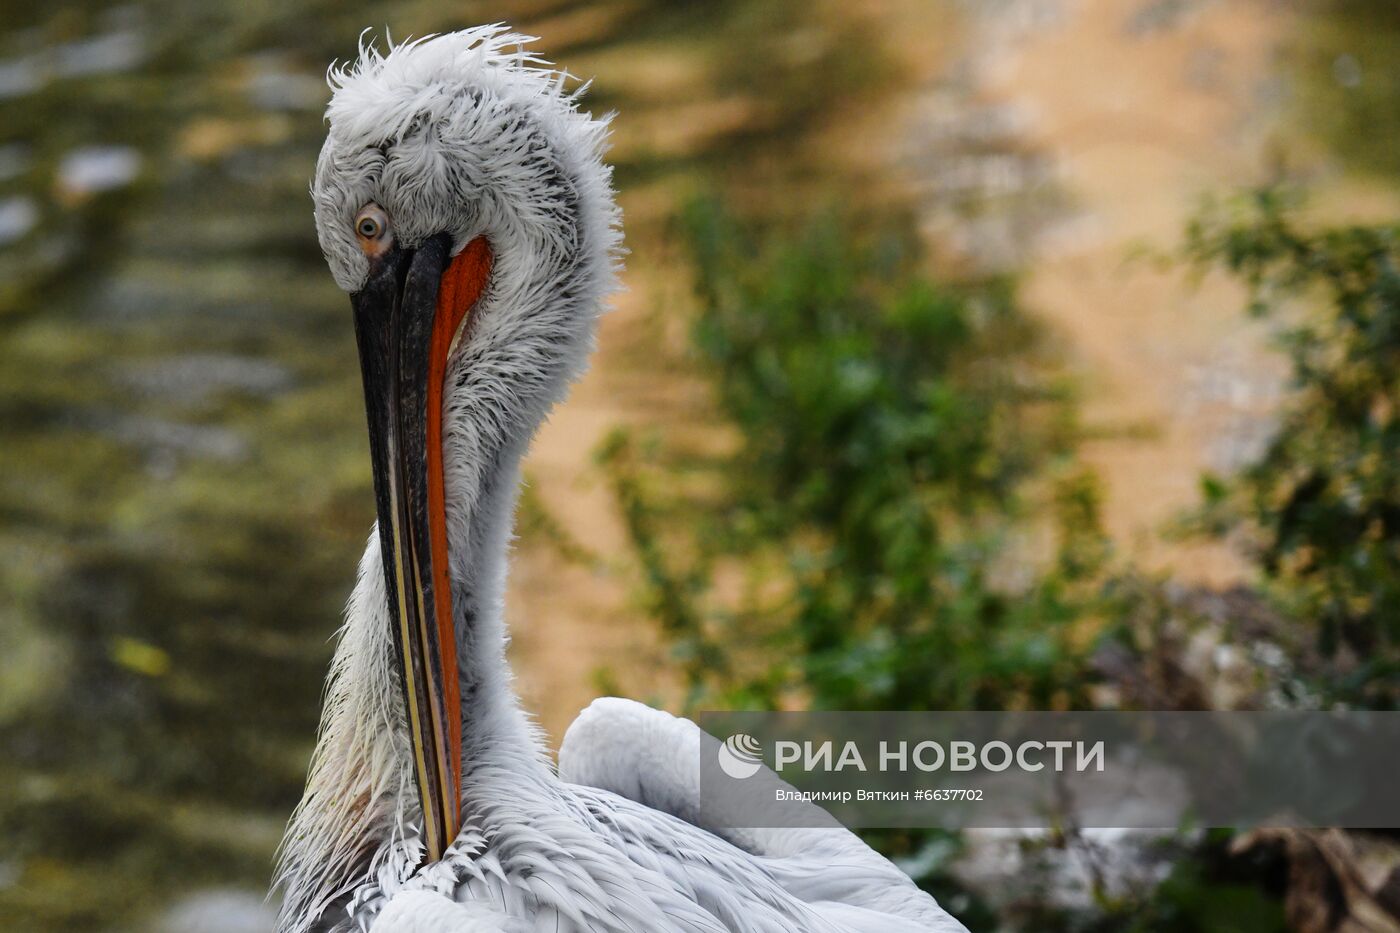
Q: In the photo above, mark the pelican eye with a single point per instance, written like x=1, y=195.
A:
x=372, y=229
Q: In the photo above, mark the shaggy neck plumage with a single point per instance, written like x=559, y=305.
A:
x=469, y=135
x=527, y=339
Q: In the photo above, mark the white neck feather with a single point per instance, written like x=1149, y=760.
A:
x=540, y=193
x=361, y=809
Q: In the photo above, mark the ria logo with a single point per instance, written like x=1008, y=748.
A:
x=740, y=756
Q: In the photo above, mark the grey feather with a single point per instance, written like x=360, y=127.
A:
x=469, y=134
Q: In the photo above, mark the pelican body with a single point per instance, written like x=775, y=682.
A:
x=462, y=201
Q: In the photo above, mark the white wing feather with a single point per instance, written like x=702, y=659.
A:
x=428, y=912
x=651, y=759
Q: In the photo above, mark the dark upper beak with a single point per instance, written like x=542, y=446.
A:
x=398, y=330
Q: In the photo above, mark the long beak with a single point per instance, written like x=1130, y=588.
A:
x=408, y=318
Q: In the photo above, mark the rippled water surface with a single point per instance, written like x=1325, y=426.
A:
x=180, y=477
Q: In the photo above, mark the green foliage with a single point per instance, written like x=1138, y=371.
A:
x=886, y=430
x=1349, y=88
x=897, y=522
x=1212, y=890
x=1323, y=503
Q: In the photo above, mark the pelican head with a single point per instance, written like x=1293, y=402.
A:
x=462, y=202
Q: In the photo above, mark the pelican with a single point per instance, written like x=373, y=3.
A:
x=462, y=201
